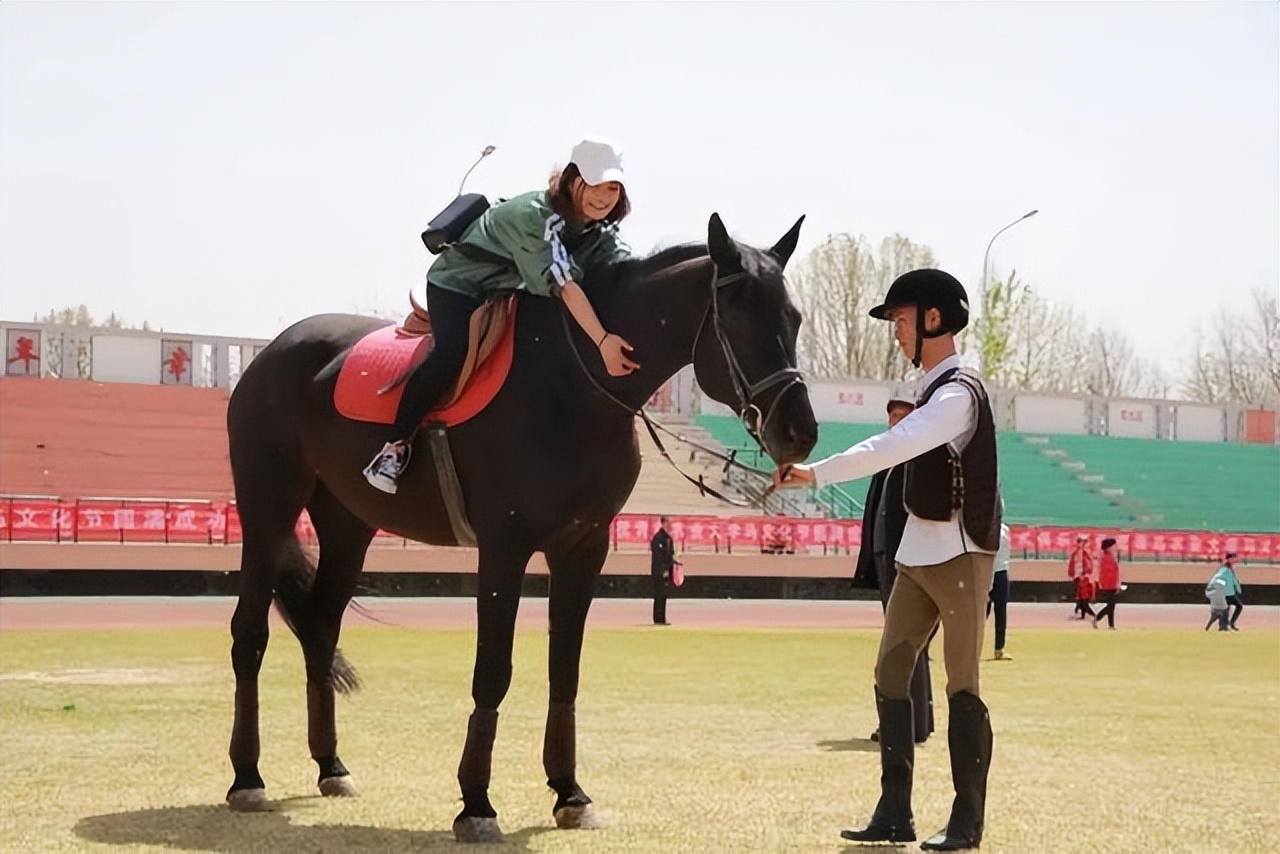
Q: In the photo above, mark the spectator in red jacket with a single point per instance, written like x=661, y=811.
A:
x=1108, y=582
x=1080, y=565
x=1084, y=595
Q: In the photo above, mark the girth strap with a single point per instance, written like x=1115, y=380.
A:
x=450, y=488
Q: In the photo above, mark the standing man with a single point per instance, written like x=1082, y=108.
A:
x=1235, y=593
x=999, y=598
x=944, y=562
x=661, y=559
x=883, y=518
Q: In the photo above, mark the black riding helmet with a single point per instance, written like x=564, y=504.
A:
x=926, y=289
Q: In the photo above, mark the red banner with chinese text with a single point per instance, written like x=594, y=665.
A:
x=151, y=521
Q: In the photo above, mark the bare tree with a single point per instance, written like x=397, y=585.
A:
x=1262, y=332
x=1028, y=342
x=1024, y=341
x=836, y=285
x=1118, y=371
x=1236, y=358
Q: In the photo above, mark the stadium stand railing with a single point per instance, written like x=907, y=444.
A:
x=45, y=519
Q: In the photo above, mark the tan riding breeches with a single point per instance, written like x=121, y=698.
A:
x=954, y=592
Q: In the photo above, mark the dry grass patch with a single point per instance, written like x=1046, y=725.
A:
x=688, y=740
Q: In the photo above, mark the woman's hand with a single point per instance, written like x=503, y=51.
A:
x=614, y=349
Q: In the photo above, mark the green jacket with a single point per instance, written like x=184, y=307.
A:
x=541, y=250
x=1230, y=579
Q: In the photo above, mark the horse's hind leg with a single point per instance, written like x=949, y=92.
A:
x=269, y=503
x=574, y=570
x=344, y=539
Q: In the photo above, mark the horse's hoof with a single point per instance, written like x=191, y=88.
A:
x=471, y=829
x=577, y=818
x=249, y=800
x=339, y=787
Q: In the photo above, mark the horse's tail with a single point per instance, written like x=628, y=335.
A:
x=293, y=601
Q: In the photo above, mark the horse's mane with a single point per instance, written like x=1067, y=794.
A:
x=638, y=269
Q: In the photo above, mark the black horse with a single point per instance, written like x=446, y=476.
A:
x=545, y=467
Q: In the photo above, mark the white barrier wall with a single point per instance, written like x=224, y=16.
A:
x=1132, y=418
x=853, y=403
x=125, y=359
x=1032, y=414
x=1196, y=423
x=124, y=355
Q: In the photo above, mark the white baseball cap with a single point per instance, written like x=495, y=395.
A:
x=598, y=161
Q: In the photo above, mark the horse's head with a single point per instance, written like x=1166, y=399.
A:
x=745, y=355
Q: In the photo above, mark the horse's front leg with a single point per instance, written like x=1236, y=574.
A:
x=501, y=570
x=573, y=577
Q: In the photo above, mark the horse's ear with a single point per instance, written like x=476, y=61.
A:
x=783, y=248
x=720, y=245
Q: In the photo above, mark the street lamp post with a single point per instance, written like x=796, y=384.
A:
x=488, y=149
x=987, y=254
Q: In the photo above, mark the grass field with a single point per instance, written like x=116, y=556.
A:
x=689, y=741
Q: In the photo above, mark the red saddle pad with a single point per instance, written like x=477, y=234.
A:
x=379, y=357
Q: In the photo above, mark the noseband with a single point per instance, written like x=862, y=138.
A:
x=754, y=420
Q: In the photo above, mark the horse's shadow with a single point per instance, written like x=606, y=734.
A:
x=216, y=828
x=851, y=745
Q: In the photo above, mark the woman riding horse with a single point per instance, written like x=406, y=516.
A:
x=722, y=306
x=547, y=237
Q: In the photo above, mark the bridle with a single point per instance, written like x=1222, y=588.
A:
x=754, y=421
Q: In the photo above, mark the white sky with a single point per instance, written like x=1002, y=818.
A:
x=230, y=168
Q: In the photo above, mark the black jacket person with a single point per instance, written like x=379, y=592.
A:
x=884, y=515
x=944, y=562
x=662, y=552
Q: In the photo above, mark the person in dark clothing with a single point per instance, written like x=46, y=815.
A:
x=998, y=599
x=883, y=518
x=661, y=559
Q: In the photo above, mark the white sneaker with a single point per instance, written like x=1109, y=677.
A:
x=386, y=467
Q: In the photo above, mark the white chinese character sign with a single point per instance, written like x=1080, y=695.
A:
x=22, y=353
x=175, y=362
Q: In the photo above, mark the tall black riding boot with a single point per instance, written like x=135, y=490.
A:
x=892, y=820
x=969, y=739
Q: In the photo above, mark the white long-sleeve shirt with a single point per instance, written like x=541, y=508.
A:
x=949, y=418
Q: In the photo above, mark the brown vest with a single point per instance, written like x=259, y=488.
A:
x=940, y=484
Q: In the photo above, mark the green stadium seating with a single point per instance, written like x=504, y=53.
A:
x=1207, y=486
x=1039, y=490
x=1095, y=481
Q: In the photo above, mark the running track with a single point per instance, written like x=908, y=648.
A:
x=163, y=612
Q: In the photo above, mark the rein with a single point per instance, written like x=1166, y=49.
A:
x=745, y=390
